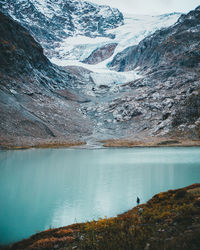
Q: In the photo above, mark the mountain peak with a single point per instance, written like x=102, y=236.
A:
x=191, y=16
x=50, y=21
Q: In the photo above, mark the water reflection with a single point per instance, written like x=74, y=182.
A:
x=50, y=188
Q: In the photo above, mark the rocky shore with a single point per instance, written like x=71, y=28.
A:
x=92, y=143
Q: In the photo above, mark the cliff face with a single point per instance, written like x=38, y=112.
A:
x=19, y=51
x=30, y=106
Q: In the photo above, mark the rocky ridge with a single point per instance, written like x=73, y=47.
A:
x=176, y=45
x=32, y=106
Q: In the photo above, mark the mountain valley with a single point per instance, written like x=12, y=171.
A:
x=118, y=76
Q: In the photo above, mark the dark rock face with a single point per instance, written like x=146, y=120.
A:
x=19, y=51
x=51, y=20
x=168, y=92
x=30, y=105
x=121, y=61
x=101, y=54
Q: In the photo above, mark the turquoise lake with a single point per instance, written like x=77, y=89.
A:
x=45, y=188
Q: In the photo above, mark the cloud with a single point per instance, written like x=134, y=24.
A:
x=151, y=6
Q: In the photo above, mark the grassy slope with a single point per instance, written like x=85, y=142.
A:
x=170, y=220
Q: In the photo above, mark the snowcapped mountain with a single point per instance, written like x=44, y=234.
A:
x=50, y=21
x=73, y=32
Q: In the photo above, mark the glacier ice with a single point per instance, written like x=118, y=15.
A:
x=73, y=50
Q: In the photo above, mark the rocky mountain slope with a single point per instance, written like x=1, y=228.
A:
x=49, y=21
x=168, y=93
x=177, y=45
x=32, y=103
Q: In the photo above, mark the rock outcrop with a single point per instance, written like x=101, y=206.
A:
x=101, y=54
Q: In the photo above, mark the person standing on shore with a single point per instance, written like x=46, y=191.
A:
x=138, y=200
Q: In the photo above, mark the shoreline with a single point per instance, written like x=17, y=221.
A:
x=152, y=142
x=68, y=144
x=169, y=220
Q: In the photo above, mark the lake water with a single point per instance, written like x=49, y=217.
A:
x=43, y=188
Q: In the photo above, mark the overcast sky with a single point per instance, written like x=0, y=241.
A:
x=151, y=6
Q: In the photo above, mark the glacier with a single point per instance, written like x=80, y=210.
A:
x=73, y=50
x=107, y=85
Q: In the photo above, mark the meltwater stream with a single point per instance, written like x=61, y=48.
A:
x=43, y=188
